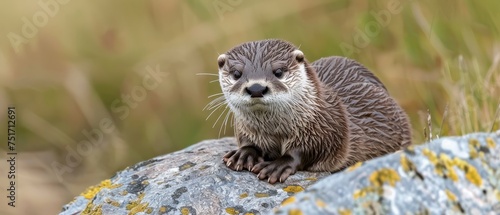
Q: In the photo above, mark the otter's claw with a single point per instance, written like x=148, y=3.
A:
x=278, y=170
x=245, y=157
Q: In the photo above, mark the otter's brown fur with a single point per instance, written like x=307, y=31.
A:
x=290, y=115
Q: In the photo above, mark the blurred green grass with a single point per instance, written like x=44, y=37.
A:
x=430, y=55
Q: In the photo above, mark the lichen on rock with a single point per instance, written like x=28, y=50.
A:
x=451, y=175
x=447, y=176
x=190, y=181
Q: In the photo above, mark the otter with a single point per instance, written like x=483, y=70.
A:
x=290, y=115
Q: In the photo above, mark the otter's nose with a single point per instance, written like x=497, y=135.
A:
x=256, y=90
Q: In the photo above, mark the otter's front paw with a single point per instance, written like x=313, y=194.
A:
x=277, y=170
x=244, y=157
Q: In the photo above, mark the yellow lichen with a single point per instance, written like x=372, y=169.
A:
x=355, y=166
x=137, y=206
x=452, y=174
x=410, y=148
x=320, y=204
x=385, y=175
x=136, y=202
x=204, y=167
x=186, y=166
x=471, y=173
x=261, y=195
x=472, y=152
x=111, y=202
x=406, y=164
x=293, y=189
x=444, y=165
x=232, y=211
x=288, y=201
x=490, y=142
x=344, y=212
x=430, y=155
x=474, y=142
x=473, y=176
x=358, y=194
x=90, y=192
x=450, y=195
x=243, y=195
x=364, y=191
x=124, y=192
x=473, y=146
x=249, y=213
x=311, y=179
x=163, y=209
x=295, y=212
x=184, y=211
x=377, y=179
x=481, y=155
x=90, y=209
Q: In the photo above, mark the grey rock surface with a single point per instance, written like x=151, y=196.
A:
x=190, y=181
x=459, y=175
x=450, y=175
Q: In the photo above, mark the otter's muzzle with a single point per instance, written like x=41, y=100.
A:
x=257, y=90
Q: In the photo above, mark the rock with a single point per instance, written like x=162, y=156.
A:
x=190, y=181
x=459, y=175
x=447, y=176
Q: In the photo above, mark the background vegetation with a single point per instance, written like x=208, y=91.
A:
x=440, y=56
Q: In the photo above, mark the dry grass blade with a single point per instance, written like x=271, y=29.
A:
x=429, y=124
x=443, y=120
x=495, y=118
x=207, y=74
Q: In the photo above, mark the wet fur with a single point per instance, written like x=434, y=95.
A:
x=334, y=111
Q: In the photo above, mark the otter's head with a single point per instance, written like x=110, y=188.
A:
x=266, y=75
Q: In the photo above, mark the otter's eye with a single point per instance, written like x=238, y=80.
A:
x=236, y=74
x=279, y=73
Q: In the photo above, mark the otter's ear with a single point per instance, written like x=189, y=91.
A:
x=221, y=60
x=299, y=56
